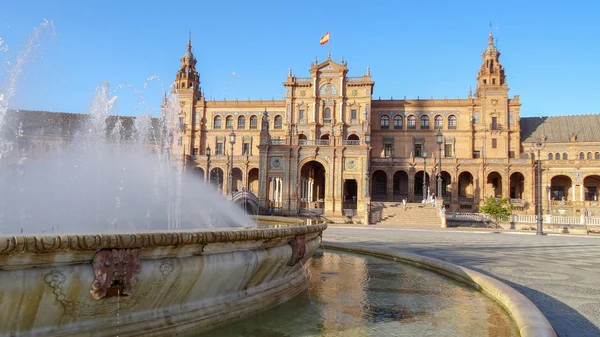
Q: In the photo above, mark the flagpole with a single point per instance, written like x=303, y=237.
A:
x=329, y=46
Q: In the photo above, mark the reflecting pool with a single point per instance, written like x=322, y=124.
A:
x=360, y=295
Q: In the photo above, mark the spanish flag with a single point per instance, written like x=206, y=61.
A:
x=325, y=38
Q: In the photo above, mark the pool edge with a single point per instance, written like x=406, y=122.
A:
x=529, y=319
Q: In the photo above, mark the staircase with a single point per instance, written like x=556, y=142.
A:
x=415, y=214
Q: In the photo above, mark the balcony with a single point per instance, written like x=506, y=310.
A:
x=351, y=142
x=496, y=127
x=318, y=142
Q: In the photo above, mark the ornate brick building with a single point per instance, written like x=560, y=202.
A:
x=330, y=147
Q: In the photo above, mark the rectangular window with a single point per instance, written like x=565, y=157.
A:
x=387, y=150
x=196, y=117
x=195, y=152
x=180, y=122
x=494, y=143
x=494, y=123
x=476, y=154
x=219, y=149
x=301, y=116
x=510, y=117
x=448, y=151
x=246, y=149
x=418, y=150
x=353, y=115
x=475, y=117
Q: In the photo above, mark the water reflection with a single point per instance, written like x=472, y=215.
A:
x=355, y=295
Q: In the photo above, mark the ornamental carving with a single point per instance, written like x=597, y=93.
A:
x=116, y=272
x=298, y=244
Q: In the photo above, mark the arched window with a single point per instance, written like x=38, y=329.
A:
x=424, y=122
x=452, y=122
x=565, y=156
x=217, y=123
x=581, y=155
x=438, y=122
x=398, y=122
x=278, y=122
x=557, y=156
x=229, y=122
x=411, y=122
x=327, y=115
x=385, y=122
x=597, y=156
x=589, y=156
x=550, y=156
x=241, y=122
x=253, y=122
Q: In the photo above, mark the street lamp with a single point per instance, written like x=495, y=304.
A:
x=208, y=164
x=367, y=142
x=539, y=229
x=424, y=155
x=232, y=142
x=548, y=188
x=439, y=139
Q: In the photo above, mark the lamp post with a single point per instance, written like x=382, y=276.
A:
x=424, y=155
x=232, y=142
x=548, y=188
x=439, y=139
x=539, y=229
x=367, y=142
x=208, y=164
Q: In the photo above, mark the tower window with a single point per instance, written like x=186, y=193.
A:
x=581, y=156
x=353, y=115
x=484, y=81
x=493, y=81
x=550, y=156
x=327, y=115
x=565, y=156
x=494, y=143
x=301, y=116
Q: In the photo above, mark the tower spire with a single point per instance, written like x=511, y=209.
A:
x=189, y=45
x=491, y=37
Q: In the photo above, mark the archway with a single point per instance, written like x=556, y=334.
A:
x=379, y=185
x=237, y=180
x=253, y=180
x=466, y=186
x=591, y=186
x=494, y=185
x=419, y=186
x=312, y=185
x=199, y=173
x=216, y=178
x=560, y=187
x=517, y=185
x=400, y=187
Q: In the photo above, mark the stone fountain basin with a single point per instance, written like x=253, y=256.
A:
x=149, y=284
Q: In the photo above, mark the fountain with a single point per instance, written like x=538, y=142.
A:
x=107, y=234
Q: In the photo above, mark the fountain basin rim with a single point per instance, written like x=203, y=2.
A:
x=93, y=242
x=529, y=319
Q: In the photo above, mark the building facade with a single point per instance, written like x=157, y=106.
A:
x=329, y=147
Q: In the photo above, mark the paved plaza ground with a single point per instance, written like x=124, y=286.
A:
x=560, y=274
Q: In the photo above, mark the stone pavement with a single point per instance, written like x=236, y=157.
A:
x=560, y=274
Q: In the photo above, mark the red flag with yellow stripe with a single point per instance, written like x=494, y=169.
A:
x=325, y=38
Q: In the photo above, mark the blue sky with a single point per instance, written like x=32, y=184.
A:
x=244, y=49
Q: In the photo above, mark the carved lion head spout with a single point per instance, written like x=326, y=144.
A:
x=115, y=272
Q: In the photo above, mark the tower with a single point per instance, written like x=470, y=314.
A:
x=491, y=73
